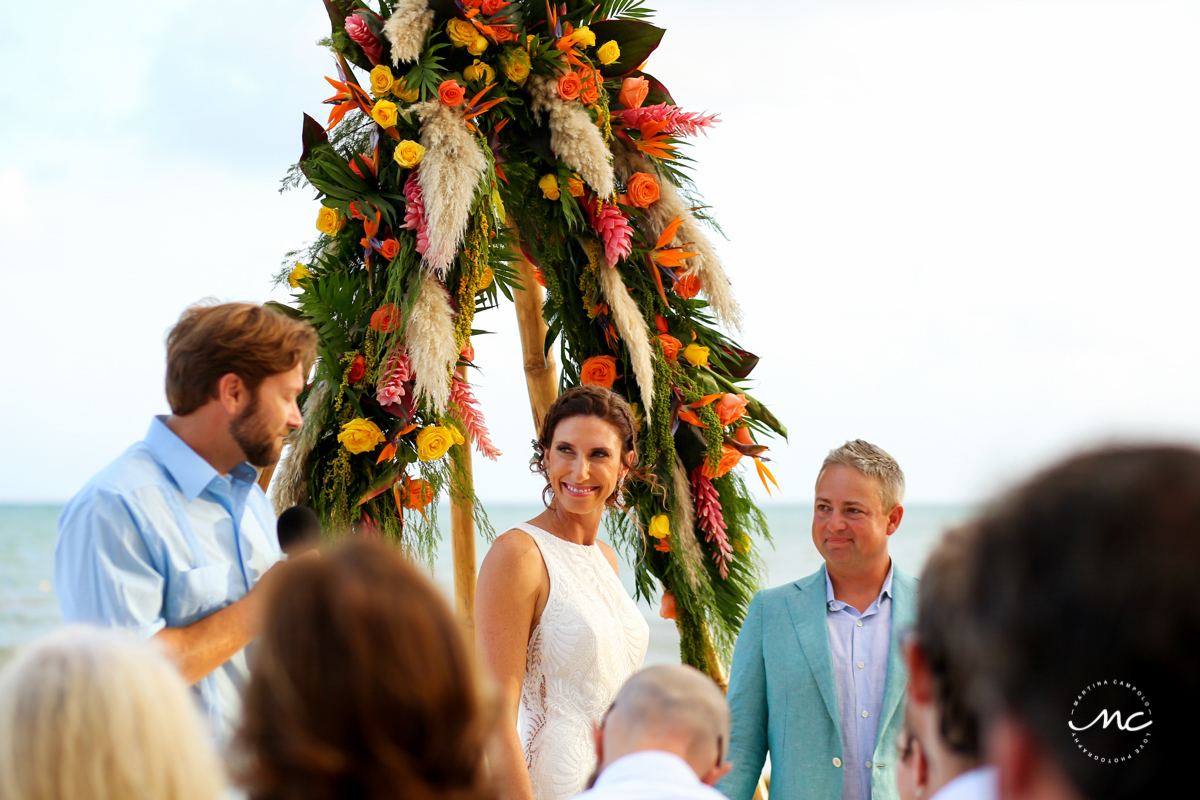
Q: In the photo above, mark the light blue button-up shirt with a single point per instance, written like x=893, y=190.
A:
x=861, y=644
x=158, y=539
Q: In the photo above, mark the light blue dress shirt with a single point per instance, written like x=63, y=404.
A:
x=158, y=539
x=861, y=644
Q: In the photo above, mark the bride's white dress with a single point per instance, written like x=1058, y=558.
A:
x=589, y=640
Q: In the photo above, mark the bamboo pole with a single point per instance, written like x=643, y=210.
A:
x=462, y=533
x=541, y=372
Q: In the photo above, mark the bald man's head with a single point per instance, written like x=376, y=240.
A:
x=674, y=708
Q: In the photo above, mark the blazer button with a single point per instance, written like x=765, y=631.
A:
x=837, y=762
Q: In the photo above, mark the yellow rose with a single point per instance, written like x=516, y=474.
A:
x=485, y=280
x=433, y=441
x=361, y=436
x=609, y=52
x=696, y=355
x=584, y=36
x=408, y=154
x=403, y=92
x=477, y=47
x=385, y=113
x=456, y=434
x=479, y=72
x=461, y=32
x=298, y=274
x=660, y=527
x=549, y=186
x=575, y=185
x=381, y=80
x=514, y=63
x=329, y=221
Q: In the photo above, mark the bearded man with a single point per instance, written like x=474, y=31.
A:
x=173, y=538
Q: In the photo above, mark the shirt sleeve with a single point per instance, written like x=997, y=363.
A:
x=748, y=708
x=104, y=572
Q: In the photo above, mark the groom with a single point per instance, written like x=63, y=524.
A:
x=817, y=676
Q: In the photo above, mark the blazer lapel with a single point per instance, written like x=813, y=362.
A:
x=807, y=610
x=904, y=607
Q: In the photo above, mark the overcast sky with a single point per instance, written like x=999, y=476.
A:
x=965, y=231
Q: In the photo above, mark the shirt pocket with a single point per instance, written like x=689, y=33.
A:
x=193, y=594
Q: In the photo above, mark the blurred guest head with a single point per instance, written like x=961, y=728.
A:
x=87, y=714
x=941, y=725
x=673, y=709
x=1082, y=594
x=362, y=686
x=912, y=771
x=299, y=530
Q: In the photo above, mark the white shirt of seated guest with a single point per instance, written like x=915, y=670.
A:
x=650, y=775
x=978, y=784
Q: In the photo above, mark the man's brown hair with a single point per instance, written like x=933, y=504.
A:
x=212, y=340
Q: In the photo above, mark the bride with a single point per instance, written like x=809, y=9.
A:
x=556, y=628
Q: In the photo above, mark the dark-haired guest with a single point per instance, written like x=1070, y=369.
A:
x=555, y=627
x=1082, y=596
x=362, y=688
x=941, y=727
x=171, y=539
x=299, y=531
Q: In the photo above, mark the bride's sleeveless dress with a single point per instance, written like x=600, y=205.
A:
x=589, y=640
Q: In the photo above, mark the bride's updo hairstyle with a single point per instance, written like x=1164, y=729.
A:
x=603, y=404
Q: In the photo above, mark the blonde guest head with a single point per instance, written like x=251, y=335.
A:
x=90, y=714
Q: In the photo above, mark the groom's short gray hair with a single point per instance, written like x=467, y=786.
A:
x=874, y=462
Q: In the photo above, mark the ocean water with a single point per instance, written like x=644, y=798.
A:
x=29, y=605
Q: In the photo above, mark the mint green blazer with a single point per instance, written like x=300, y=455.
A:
x=783, y=698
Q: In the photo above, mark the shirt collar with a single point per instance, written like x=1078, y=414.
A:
x=833, y=604
x=658, y=765
x=192, y=473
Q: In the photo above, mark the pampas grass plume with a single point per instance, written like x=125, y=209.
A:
x=405, y=29
x=449, y=173
x=429, y=339
x=574, y=138
x=630, y=324
x=288, y=482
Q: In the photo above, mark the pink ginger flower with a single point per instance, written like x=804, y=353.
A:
x=360, y=32
x=710, y=520
x=414, y=212
x=683, y=123
x=613, y=228
x=472, y=418
x=390, y=388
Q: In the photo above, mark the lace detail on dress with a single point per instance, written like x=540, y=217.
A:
x=590, y=639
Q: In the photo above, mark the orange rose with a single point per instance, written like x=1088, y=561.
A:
x=729, y=459
x=390, y=248
x=358, y=368
x=663, y=545
x=642, y=190
x=599, y=371
x=688, y=286
x=492, y=6
x=633, y=92
x=670, y=346
x=666, y=607
x=468, y=351
x=451, y=93
x=731, y=407
x=742, y=434
x=386, y=318
x=590, y=92
x=569, y=86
